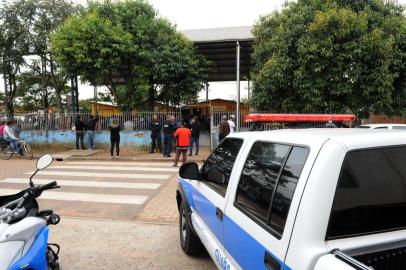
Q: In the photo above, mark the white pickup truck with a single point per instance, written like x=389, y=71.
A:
x=324, y=199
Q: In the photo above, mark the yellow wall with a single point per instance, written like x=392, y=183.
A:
x=104, y=110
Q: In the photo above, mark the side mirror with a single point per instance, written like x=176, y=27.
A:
x=190, y=171
x=44, y=161
x=216, y=176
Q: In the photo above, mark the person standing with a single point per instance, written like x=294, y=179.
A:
x=231, y=123
x=115, y=138
x=155, y=128
x=224, y=128
x=182, y=136
x=168, y=130
x=80, y=129
x=90, y=129
x=194, y=139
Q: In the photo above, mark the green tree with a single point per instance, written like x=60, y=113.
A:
x=127, y=47
x=332, y=56
x=36, y=91
x=24, y=29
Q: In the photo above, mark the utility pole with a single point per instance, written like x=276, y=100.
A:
x=238, y=87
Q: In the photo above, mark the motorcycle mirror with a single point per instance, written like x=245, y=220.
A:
x=44, y=161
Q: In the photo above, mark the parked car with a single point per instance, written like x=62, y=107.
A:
x=324, y=199
x=383, y=126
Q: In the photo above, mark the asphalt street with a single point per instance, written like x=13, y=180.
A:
x=115, y=214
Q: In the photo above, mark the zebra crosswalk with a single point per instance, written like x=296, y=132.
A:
x=113, y=190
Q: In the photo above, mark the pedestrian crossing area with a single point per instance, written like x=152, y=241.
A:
x=105, y=189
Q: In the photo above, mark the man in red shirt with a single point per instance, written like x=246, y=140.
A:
x=182, y=136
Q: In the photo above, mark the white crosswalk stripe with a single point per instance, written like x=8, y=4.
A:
x=96, y=189
x=82, y=183
x=84, y=197
x=104, y=175
x=120, y=168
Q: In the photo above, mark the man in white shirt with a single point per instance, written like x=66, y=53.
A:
x=8, y=135
x=231, y=123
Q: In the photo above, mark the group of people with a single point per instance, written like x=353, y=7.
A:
x=81, y=128
x=227, y=126
x=9, y=133
x=184, y=135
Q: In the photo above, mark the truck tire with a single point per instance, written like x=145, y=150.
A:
x=189, y=241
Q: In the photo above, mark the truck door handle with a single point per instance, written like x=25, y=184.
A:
x=219, y=214
x=270, y=262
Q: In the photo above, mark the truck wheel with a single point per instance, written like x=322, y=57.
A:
x=189, y=241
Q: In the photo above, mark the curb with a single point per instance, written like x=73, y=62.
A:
x=72, y=158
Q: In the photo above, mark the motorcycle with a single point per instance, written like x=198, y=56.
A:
x=24, y=228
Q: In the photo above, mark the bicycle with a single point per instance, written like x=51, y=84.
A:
x=7, y=150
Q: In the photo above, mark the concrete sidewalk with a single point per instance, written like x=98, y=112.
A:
x=126, y=155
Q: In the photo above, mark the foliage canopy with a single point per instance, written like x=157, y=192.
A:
x=332, y=56
x=127, y=47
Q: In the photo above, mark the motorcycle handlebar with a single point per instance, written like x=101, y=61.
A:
x=50, y=185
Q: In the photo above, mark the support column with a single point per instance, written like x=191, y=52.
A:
x=249, y=94
x=238, y=87
x=77, y=94
x=73, y=93
x=207, y=99
x=95, y=99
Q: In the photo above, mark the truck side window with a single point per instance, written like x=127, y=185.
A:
x=222, y=159
x=259, y=178
x=371, y=193
x=286, y=188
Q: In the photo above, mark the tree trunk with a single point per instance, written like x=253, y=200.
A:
x=151, y=97
x=10, y=96
x=59, y=98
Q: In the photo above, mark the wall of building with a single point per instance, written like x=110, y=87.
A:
x=68, y=138
x=135, y=139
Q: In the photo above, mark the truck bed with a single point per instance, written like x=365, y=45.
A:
x=392, y=259
x=383, y=257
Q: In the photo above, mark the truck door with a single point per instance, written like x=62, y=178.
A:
x=209, y=196
x=257, y=210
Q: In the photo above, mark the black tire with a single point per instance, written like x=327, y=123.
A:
x=189, y=241
x=7, y=153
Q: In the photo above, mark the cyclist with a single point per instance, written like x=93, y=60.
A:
x=3, y=143
x=2, y=126
x=9, y=136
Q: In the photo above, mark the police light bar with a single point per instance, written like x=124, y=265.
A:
x=298, y=118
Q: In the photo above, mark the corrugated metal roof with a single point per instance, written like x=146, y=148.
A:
x=219, y=34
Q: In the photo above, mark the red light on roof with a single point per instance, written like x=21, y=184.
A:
x=299, y=118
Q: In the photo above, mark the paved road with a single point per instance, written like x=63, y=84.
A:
x=102, y=204
x=108, y=190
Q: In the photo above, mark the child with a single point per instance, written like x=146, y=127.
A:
x=115, y=138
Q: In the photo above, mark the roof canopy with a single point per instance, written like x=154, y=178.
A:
x=219, y=46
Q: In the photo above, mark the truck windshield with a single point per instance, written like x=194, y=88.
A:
x=371, y=193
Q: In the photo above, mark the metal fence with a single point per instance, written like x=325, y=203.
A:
x=382, y=119
x=133, y=121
